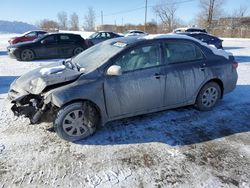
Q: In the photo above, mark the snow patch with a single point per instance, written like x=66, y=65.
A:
x=52, y=70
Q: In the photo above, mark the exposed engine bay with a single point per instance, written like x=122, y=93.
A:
x=27, y=93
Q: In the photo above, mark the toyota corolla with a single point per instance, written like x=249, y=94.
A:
x=124, y=77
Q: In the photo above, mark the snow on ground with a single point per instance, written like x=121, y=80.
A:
x=174, y=148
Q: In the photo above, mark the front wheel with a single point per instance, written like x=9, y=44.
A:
x=208, y=96
x=27, y=55
x=76, y=121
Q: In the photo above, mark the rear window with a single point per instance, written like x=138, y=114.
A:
x=177, y=52
x=66, y=38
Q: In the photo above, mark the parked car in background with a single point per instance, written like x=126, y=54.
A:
x=100, y=37
x=207, y=38
x=189, y=29
x=124, y=77
x=28, y=36
x=55, y=45
x=134, y=33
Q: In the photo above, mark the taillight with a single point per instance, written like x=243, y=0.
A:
x=235, y=64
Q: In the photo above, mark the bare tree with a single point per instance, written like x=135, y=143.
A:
x=166, y=10
x=62, y=20
x=74, y=22
x=48, y=25
x=236, y=18
x=210, y=10
x=89, y=20
x=240, y=12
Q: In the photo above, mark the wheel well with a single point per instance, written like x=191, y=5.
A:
x=84, y=100
x=27, y=49
x=220, y=83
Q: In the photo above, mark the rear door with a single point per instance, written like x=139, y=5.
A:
x=141, y=86
x=185, y=71
x=66, y=45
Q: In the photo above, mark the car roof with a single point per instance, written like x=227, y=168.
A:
x=105, y=31
x=196, y=33
x=63, y=34
x=34, y=31
x=135, y=31
x=135, y=39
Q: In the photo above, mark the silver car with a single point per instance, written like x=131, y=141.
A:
x=124, y=77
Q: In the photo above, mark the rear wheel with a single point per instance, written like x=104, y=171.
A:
x=76, y=121
x=77, y=50
x=208, y=96
x=27, y=55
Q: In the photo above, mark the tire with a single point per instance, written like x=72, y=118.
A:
x=208, y=96
x=76, y=121
x=27, y=55
x=77, y=50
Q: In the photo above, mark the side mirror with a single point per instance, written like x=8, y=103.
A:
x=114, y=70
x=43, y=42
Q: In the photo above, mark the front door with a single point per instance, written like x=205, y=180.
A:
x=142, y=83
x=48, y=48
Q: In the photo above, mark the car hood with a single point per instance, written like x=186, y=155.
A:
x=13, y=38
x=20, y=44
x=35, y=81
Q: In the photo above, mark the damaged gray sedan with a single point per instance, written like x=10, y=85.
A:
x=124, y=77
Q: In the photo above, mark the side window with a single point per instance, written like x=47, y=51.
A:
x=176, y=52
x=40, y=34
x=50, y=39
x=65, y=38
x=31, y=34
x=108, y=35
x=139, y=58
x=205, y=38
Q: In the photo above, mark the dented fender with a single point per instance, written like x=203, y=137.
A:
x=89, y=90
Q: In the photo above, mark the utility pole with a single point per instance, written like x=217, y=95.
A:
x=146, y=9
x=102, y=18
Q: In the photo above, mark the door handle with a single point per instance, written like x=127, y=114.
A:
x=202, y=68
x=158, y=75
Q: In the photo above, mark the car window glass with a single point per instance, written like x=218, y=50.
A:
x=94, y=35
x=139, y=58
x=32, y=34
x=100, y=35
x=40, y=34
x=176, y=52
x=64, y=38
x=50, y=39
x=108, y=35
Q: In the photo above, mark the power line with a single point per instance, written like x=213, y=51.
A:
x=140, y=8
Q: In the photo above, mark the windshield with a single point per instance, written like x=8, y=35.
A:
x=93, y=35
x=95, y=56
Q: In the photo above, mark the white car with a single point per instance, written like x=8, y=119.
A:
x=134, y=33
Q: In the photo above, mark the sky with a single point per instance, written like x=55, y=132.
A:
x=115, y=11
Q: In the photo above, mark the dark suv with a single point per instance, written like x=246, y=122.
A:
x=55, y=45
x=124, y=77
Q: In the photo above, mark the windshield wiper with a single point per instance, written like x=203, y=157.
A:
x=70, y=64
